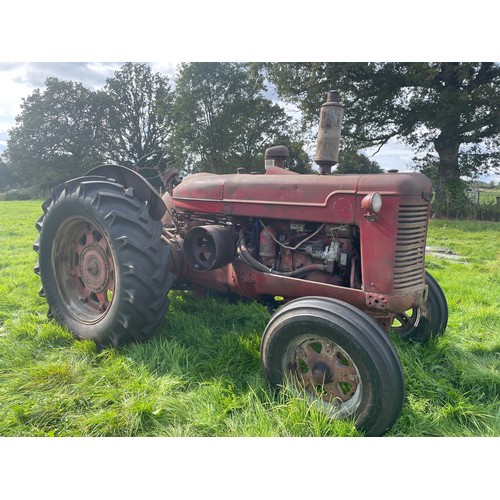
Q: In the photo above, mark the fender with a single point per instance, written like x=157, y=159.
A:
x=143, y=190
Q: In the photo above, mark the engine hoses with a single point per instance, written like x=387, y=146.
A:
x=245, y=256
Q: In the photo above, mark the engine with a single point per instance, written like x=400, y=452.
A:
x=319, y=252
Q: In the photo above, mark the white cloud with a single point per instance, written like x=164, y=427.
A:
x=14, y=89
x=393, y=155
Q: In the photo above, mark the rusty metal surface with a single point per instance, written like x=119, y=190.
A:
x=276, y=156
x=329, y=128
x=323, y=369
x=392, y=247
x=86, y=274
x=292, y=197
x=241, y=278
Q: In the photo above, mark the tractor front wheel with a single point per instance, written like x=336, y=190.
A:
x=338, y=358
x=419, y=324
x=103, y=266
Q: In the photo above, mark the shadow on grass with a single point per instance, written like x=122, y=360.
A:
x=205, y=339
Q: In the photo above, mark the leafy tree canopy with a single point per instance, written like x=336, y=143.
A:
x=56, y=133
x=223, y=121
x=7, y=179
x=352, y=162
x=66, y=129
x=139, y=120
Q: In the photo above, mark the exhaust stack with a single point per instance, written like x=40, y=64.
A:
x=328, y=141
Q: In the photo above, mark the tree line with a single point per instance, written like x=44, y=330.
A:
x=216, y=117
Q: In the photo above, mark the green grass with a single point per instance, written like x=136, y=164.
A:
x=200, y=375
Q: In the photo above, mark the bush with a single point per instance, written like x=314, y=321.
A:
x=16, y=195
x=468, y=210
x=487, y=211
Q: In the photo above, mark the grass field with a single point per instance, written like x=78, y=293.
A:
x=489, y=195
x=200, y=375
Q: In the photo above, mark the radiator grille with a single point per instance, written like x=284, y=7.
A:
x=410, y=246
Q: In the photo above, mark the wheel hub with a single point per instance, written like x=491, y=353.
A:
x=323, y=368
x=321, y=373
x=94, y=270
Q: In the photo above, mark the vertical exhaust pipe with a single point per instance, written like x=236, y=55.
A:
x=328, y=141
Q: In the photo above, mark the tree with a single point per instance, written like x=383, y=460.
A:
x=352, y=162
x=7, y=179
x=223, y=121
x=449, y=112
x=55, y=135
x=139, y=122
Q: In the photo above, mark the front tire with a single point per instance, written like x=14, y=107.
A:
x=103, y=267
x=419, y=324
x=339, y=357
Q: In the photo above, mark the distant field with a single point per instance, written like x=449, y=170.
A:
x=200, y=375
x=489, y=195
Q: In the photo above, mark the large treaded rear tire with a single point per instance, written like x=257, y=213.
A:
x=103, y=266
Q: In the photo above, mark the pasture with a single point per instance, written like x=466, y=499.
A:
x=200, y=375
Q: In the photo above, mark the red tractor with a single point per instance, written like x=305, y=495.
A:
x=338, y=260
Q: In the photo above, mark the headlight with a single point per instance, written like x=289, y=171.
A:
x=372, y=203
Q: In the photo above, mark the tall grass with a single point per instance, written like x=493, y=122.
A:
x=200, y=375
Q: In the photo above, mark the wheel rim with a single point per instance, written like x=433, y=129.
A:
x=326, y=373
x=84, y=269
x=403, y=323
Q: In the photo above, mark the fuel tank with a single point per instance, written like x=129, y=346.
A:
x=281, y=194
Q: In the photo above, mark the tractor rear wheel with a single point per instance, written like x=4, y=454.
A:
x=419, y=324
x=337, y=357
x=103, y=266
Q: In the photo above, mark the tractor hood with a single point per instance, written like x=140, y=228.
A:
x=281, y=194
